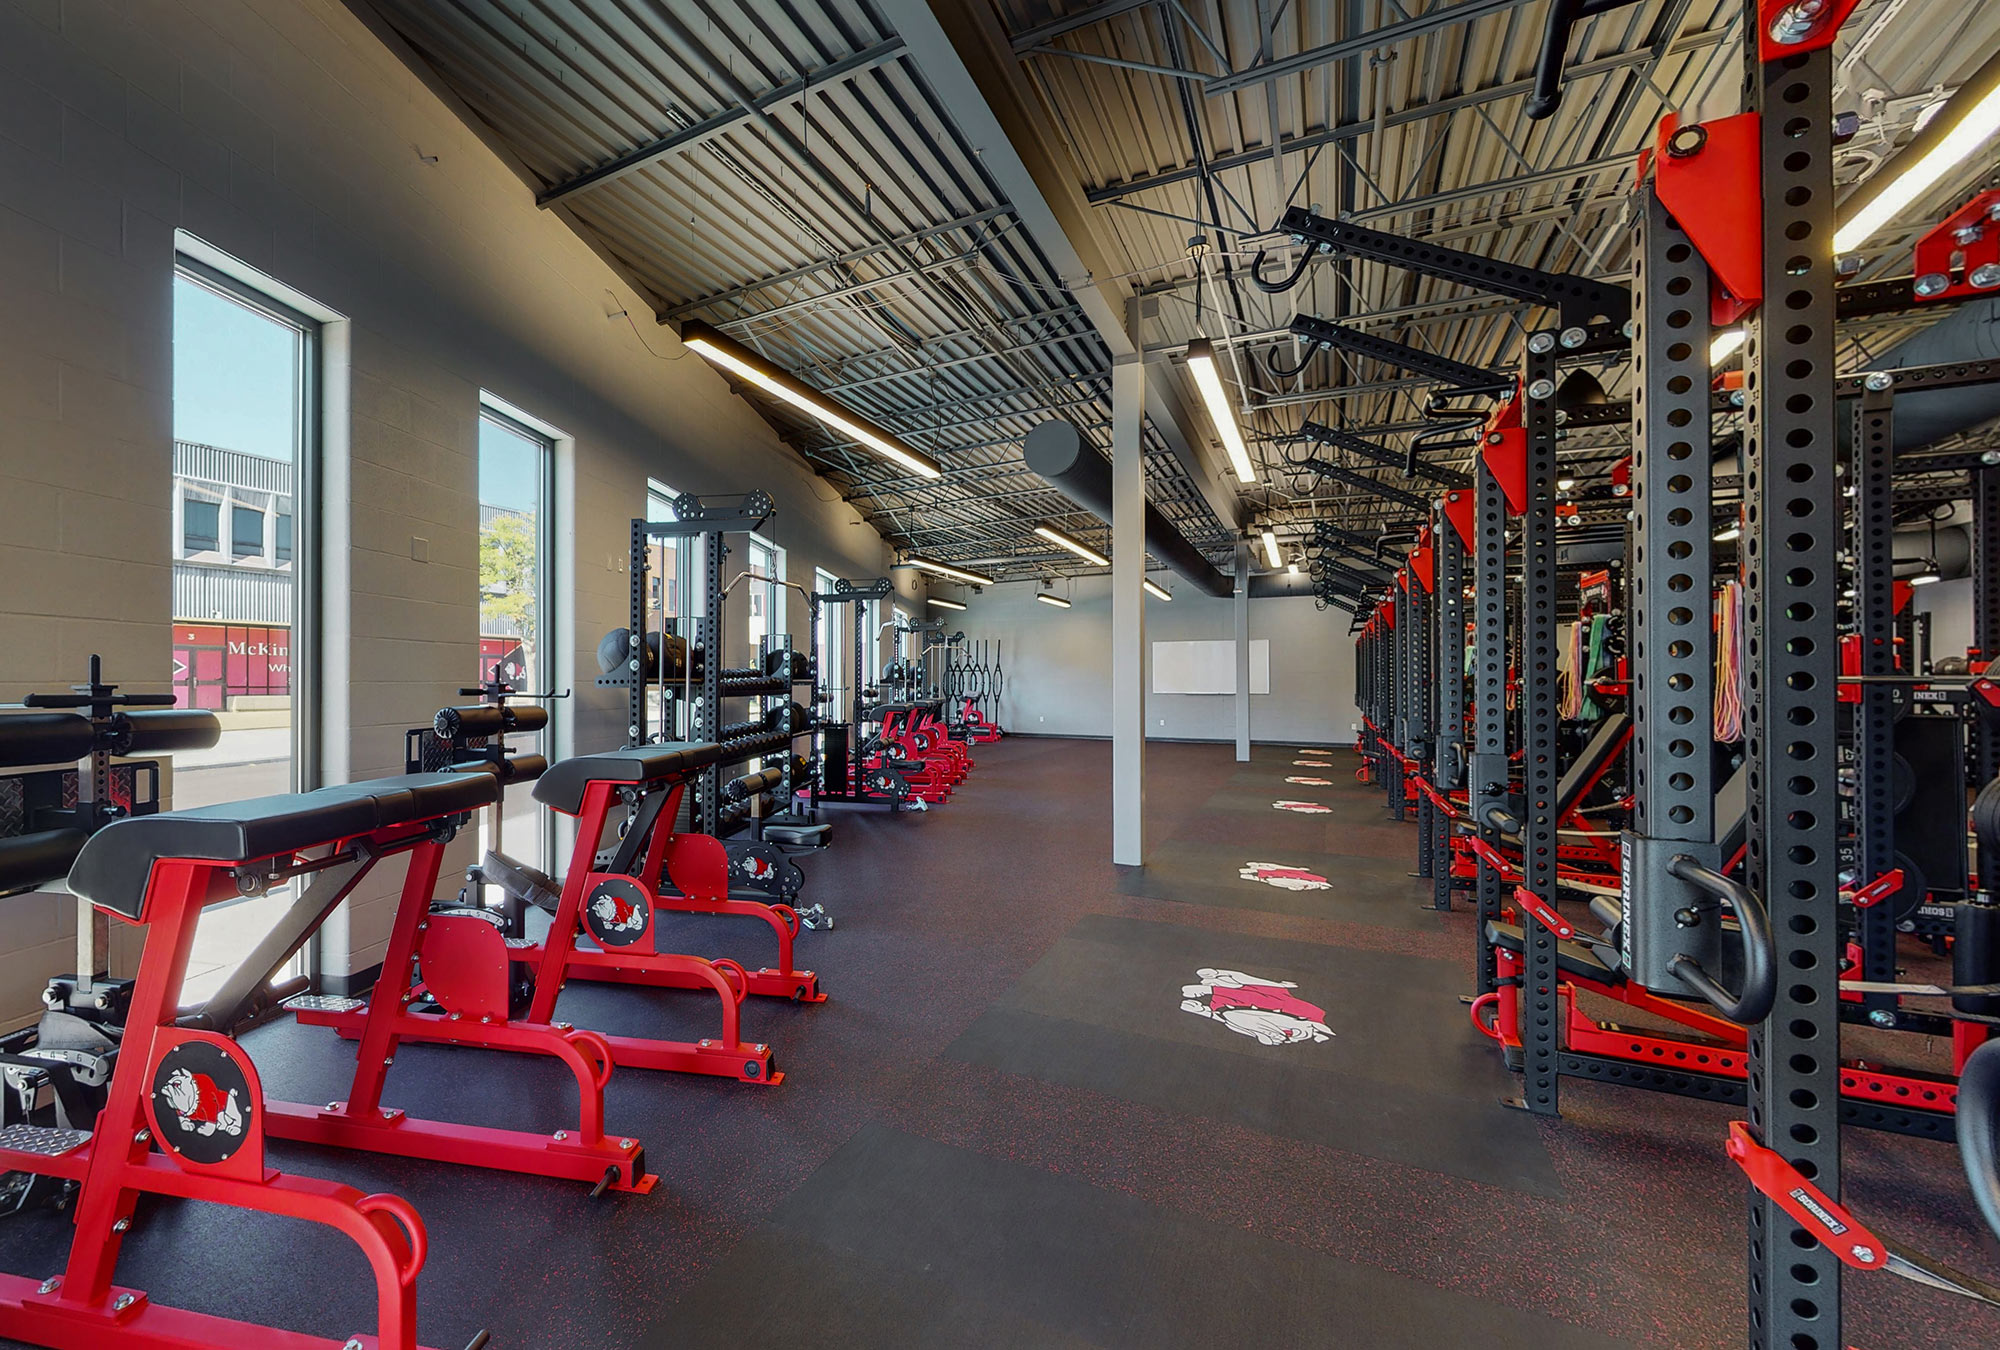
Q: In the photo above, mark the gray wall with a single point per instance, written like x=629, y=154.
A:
x=1949, y=604
x=1058, y=663
x=283, y=133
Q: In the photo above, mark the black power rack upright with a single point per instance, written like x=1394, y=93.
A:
x=703, y=683
x=841, y=777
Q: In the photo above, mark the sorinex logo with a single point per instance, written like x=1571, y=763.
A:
x=1814, y=1208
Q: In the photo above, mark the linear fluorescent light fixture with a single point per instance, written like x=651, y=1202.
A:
x=1157, y=591
x=1081, y=550
x=1051, y=598
x=1965, y=123
x=1271, y=548
x=1208, y=379
x=739, y=360
x=944, y=604
x=1726, y=344
x=947, y=570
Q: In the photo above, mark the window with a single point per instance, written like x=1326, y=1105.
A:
x=245, y=423
x=516, y=487
x=284, y=539
x=669, y=566
x=871, y=642
x=765, y=599
x=201, y=526
x=827, y=635
x=246, y=532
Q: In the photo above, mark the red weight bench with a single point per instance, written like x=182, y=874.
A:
x=977, y=728
x=463, y=957
x=683, y=873
x=186, y=1114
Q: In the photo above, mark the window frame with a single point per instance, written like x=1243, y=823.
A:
x=308, y=469
x=547, y=604
x=827, y=637
x=545, y=539
x=237, y=511
x=214, y=536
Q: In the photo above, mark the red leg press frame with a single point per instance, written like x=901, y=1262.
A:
x=585, y=1153
x=82, y=1309
x=624, y=953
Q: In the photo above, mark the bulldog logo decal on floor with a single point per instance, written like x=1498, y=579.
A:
x=1304, y=808
x=1283, y=877
x=1253, y=1006
x=1311, y=782
x=1311, y=764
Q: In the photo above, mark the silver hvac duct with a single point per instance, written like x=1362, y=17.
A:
x=1969, y=333
x=1913, y=545
x=1057, y=451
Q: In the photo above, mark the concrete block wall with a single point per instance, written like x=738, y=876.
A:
x=283, y=133
x=1057, y=663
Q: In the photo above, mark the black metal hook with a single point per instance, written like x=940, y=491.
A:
x=1286, y=372
x=1274, y=287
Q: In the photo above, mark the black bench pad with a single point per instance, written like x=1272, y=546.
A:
x=563, y=785
x=1572, y=958
x=114, y=868
x=797, y=836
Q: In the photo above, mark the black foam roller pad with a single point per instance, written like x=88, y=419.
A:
x=38, y=859
x=750, y=784
x=489, y=719
x=161, y=730
x=514, y=769
x=44, y=738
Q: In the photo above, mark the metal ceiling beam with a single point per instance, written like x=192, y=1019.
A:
x=1384, y=35
x=967, y=335
x=1349, y=131
x=995, y=120
x=866, y=284
x=701, y=132
x=1069, y=23
x=853, y=256
x=1475, y=191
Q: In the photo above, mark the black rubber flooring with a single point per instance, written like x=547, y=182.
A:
x=1005, y=1130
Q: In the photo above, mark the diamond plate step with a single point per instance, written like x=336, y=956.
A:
x=328, y=1003
x=42, y=1140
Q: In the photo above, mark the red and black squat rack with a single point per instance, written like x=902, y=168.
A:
x=1733, y=222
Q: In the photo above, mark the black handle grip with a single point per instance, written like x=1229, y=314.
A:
x=1979, y=1129
x=1760, y=967
x=1503, y=820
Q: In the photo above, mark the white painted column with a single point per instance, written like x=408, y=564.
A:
x=1128, y=612
x=1242, y=608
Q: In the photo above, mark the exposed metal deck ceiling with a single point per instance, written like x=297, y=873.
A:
x=785, y=170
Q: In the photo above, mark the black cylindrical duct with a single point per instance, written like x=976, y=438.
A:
x=1057, y=451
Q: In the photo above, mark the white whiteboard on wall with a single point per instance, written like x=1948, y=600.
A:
x=1208, y=667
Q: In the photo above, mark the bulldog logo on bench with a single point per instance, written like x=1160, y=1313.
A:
x=201, y=1101
x=1253, y=1006
x=617, y=912
x=1283, y=877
